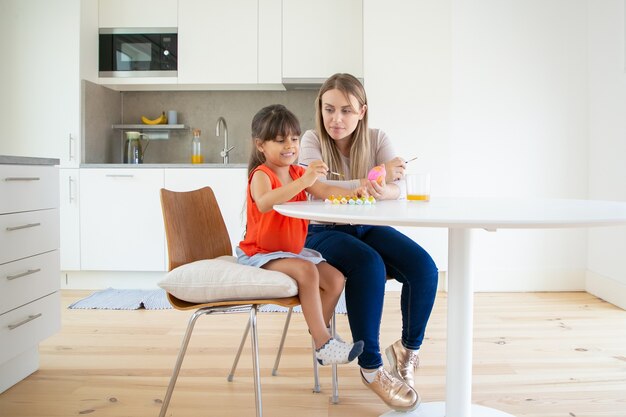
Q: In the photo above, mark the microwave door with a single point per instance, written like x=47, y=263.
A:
x=137, y=53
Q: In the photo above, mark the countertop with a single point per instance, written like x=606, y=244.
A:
x=27, y=160
x=140, y=166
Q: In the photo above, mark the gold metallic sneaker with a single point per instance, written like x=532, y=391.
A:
x=403, y=362
x=395, y=393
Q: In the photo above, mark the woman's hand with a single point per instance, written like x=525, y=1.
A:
x=383, y=191
x=395, y=169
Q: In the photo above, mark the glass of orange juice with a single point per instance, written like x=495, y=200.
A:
x=418, y=186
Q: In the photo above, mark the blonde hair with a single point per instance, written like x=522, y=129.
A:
x=269, y=123
x=362, y=156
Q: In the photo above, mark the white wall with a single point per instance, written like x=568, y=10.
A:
x=492, y=96
x=519, y=129
x=606, y=276
x=407, y=78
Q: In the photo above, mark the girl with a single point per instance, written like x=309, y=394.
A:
x=366, y=255
x=276, y=242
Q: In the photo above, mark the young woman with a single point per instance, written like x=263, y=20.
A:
x=276, y=242
x=366, y=255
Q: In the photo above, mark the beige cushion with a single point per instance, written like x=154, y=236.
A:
x=223, y=278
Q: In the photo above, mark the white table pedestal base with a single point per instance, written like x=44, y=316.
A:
x=438, y=409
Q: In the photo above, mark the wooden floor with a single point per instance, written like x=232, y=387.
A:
x=535, y=355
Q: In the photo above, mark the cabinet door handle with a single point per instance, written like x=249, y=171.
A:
x=26, y=320
x=24, y=226
x=71, y=182
x=70, y=153
x=119, y=175
x=22, y=179
x=23, y=274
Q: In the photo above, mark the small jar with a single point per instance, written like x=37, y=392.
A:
x=196, y=150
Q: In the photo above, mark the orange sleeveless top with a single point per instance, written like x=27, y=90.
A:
x=271, y=231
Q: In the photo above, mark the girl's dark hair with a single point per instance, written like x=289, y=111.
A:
x=269, y=123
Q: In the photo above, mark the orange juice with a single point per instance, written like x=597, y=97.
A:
x=197, y=159
x=418, y=197
x=418, y=186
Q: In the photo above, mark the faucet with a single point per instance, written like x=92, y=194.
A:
x=224, y=152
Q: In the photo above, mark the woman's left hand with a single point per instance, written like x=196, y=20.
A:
x=395, y=169
x=382, y=191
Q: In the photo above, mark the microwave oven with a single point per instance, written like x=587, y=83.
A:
x=139, y=52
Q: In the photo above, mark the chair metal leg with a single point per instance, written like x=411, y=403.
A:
x=316, y=375
x=241, y=345
x=282, y=342
x=334, y=399
x=179, y=360
x=255, y=362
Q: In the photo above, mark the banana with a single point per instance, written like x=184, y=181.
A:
x=161, y=120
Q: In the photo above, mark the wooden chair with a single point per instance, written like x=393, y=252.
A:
x=195, y=230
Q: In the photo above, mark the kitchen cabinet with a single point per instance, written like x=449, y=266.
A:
x=270, y=38
x=229, y=186
x=321, y=38
x=138, y=13
x=217, y=42
x=69, y=206
x=121, y=226
x=29, y=266
x=41, y=86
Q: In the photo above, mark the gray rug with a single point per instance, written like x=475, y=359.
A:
x=116, y=299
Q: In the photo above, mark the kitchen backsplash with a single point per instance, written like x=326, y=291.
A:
x=196, y=109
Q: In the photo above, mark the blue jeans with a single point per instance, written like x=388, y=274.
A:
x=366, y=255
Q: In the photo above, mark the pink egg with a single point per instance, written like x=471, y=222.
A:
x=377, y=174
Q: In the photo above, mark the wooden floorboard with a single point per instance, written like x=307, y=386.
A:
x=535, y=355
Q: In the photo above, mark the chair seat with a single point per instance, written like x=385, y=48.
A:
x=186, y=305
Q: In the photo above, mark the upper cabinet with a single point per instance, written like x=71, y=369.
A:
x=217, y=42
x=249, y=44
x=41, y=85
x=138, y=13
x=269, y=38
x=321, y=38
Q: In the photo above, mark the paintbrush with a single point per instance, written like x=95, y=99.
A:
x=330, y=172
x=409, y=160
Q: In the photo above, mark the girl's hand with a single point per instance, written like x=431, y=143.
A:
x=395, y=169
x=361, y=191
x=315, y=169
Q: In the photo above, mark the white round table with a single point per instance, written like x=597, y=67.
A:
x=460, y=216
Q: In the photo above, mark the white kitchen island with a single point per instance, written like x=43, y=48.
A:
x=29, y=263
x=461, y=216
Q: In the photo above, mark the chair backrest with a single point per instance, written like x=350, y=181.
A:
x=194, y=226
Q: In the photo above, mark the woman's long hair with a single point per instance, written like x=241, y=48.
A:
x=269, y=123
x=361, y=152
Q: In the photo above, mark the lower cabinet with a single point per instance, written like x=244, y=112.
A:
x=29, y=266
x=229, y=186
x=69, y=206
x=121, y=226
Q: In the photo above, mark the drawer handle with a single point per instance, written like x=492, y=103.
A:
x=24, y=226
x=119, y=175
x=26, y=320
x=22, y=179
x=23, y=274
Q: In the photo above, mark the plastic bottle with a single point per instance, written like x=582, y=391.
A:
x=196, y=152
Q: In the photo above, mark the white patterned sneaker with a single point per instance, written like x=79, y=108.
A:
x=334, y=351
